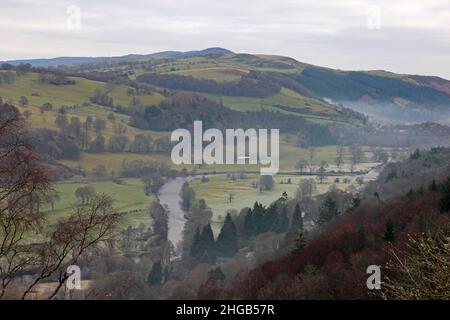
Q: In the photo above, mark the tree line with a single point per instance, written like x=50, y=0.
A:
x=247, y=86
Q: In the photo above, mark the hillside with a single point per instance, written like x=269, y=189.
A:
x=284, y=84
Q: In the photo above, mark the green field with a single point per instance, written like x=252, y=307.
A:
x=289, y=156
x=310, y=109
x=127, y=196
x=216, y=191
x=286, y=97
x=67, y=95
x=219, y=74
x=111, y=161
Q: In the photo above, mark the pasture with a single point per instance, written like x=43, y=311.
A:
x=129, y=195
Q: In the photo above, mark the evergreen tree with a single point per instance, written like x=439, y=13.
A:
x=283, y=221
x=389, y=231
x=166, y=274
x=415, y=155
x=270, y=219
x=297, y=219
x=227, y=241
x=206, y=246
x=411, y=194
x=249, y=225
x=420, y=191
x=300, y=241
x=217, y=274
x=259, y=218
x=433, y=186
x=444, y=202
x=155, y=275
x=356, y=201
x=328, y=211
x=195, y=251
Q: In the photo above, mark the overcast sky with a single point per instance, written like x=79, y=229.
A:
x=408, y=36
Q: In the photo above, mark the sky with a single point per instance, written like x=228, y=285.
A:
x=405, y=36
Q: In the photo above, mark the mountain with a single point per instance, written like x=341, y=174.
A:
x=190, y=54
x=61, y=61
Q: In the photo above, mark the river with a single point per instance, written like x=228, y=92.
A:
x=169, y=195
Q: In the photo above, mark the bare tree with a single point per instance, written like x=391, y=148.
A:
x=22, y=177
x=82, y=231
x=321, y=172
x=307, y=188
x=301, y=165
x=357, y=155
x=311, y=154
x=339, y=160
x=420, y=270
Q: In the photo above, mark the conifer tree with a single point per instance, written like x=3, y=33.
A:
x=411, y=194
x=249, y=225
x=300, y=241
x=259, y=218
x=297, y=219
x=195, y=252
x=389, y=231
x=356, y=201
x=227, y=241
x=206, y=246
x=155, y=275
x=283, y=221
x=217, y=274
x=270, y=219
x=328, y=211
x=444, y=202
x=433, y=185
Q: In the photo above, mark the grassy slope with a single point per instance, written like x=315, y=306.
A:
x=128, y=196
x=228, y=69
x=74, y=96
x=68, y=95
x=219, y=74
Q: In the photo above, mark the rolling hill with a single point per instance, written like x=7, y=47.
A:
x=289, y=85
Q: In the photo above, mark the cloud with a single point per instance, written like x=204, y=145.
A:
x=408, y=36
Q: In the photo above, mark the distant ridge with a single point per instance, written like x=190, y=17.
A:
x=60, y=61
